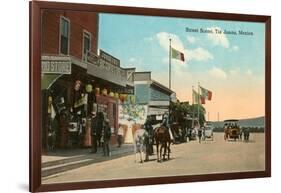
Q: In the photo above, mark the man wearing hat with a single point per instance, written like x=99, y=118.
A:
x=106, y=134
x=94, y=126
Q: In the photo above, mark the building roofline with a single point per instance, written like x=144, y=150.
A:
x=158, y=84
x=129, y=68
x=142, y=72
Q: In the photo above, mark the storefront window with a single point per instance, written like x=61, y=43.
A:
x=86, y=44
x=64, y=36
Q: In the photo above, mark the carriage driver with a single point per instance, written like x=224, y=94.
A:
x=166, y=123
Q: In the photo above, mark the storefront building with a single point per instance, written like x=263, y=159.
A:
x=77, y=79
x=152, y=94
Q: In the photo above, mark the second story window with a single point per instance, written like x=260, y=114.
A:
x=86, y=44
x=64, y=36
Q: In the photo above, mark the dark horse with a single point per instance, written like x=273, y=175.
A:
x=162, y=137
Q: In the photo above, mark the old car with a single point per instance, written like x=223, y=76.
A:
x=231, y=129
x=208, y=132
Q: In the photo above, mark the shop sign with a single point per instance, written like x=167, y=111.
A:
x=56, y=65
x=107, y=67
x=93, y=58
x=107, y=58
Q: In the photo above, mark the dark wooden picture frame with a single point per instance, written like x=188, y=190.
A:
x=35, y=95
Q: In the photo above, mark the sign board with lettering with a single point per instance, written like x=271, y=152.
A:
x=106, y=67
x=56, y=65
x=93, y=58
x=107, y=58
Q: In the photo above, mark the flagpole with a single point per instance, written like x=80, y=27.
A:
x=193, y=113
x=192, y=95
x=170, y=63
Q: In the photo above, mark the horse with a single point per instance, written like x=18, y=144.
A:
x=140, y=139
x=162, y=136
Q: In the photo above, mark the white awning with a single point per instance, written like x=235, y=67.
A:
x=157, y=111
x=159, y=103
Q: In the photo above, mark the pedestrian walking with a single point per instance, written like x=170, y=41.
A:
x=120, y=135
x=200, y=132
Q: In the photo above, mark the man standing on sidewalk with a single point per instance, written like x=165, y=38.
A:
x=120, y=134
x=94, y=126
x=105, y=137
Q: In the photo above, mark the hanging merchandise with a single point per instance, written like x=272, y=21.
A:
x=116, y=95
x=77, y=85
x=82, y=101
x=50, y=99
x=123, y=97
x=133, y=99
x=89, y=88
x=111, y=94
x=104, y=91
x=97, y=90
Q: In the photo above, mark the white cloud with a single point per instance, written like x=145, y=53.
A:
x=249, y=72
x=218, y=39
x=198, y=54
x=235, y=48
x=149, y=39
x=191, y=39
x=217, y=73
x=163, y=39
x=234, y=72
x=132, y=59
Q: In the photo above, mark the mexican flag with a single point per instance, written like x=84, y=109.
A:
x=202, y=98
x=177, y=54
x=197, y=98
x=206, y=93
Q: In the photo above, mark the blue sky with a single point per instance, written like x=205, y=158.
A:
x=216, y=61
x=131, y=37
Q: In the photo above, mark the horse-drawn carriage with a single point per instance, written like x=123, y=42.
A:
x=231, y=129
x=184, y=130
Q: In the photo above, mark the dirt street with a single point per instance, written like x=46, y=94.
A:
x=189, y=158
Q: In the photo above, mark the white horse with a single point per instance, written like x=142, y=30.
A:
x=139, y=143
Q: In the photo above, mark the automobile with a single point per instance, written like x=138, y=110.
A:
x=208, y=133
x=231, y=129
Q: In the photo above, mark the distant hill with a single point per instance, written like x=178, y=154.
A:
x=252, y=122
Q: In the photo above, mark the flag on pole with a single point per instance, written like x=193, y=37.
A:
x=197, y=98
x=202, y=98
x=206, y=94
x=177, y=54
